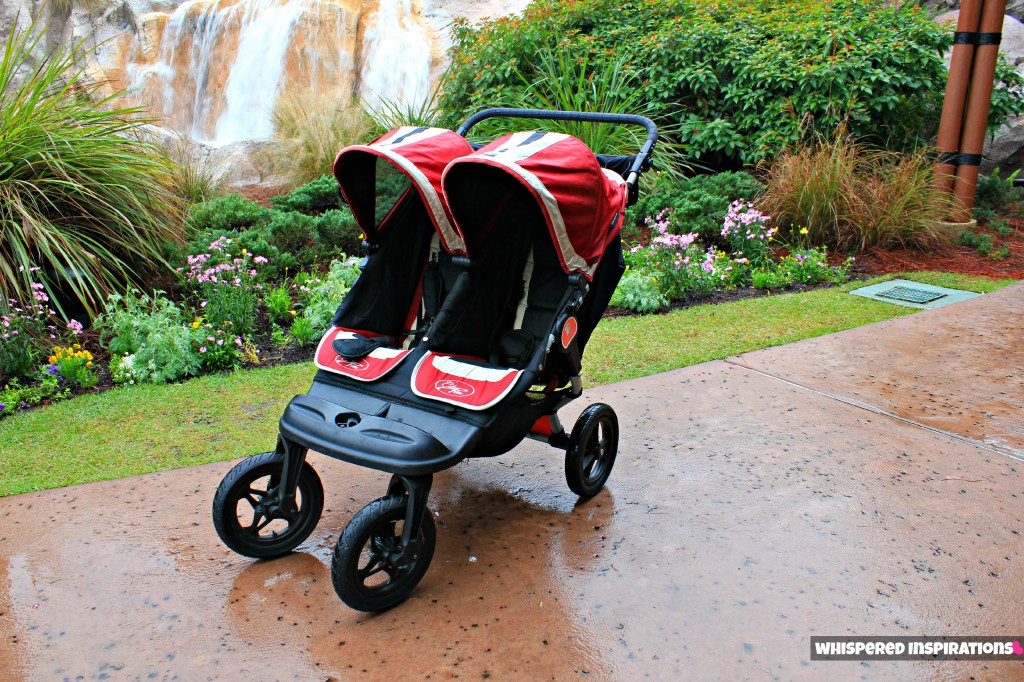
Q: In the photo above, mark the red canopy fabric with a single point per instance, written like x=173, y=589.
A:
x=422, y=155
x=583, y=204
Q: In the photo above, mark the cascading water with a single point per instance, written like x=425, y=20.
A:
x=219, y=66
x=396, y=56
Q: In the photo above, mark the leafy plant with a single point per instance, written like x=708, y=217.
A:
x=320, y=299
x=737, y=76
x=640, y=292
x=48, y=384
x=81, y=195
x=292, y=231
x=696, y=204
x=337, y=232
x=147, y=339
x=771, y=277
x=75, y=365
x=302, y=331
x=218, y=348
x=996, y=193
x=388, y=114
x=279, y=304
x=1001, y=253
x=26, y=331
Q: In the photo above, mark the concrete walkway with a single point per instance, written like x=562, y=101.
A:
x=869, y=482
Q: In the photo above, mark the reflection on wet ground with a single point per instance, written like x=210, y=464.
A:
x=745, y=514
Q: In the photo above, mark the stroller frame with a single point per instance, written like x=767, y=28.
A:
x=381, y=426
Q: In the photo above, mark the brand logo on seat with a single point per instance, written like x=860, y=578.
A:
x=360, y=366
x=454, y=388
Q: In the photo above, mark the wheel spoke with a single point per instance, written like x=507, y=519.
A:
x=266, y=522
x=375, y=566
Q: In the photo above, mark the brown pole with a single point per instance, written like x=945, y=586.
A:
x=979, y=99
x=956, y=94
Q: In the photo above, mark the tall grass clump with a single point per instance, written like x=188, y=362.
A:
x=82, y=196
x=388, y=114
x=839, y=192
x=195, y=170
x=311, y=129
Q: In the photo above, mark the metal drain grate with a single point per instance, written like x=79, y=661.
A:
x=911, y=295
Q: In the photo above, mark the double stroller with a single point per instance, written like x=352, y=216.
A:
x=486, y=272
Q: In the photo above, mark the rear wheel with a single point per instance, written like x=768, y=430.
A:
x=367, y=570
x=592, y=448
x=247, y=516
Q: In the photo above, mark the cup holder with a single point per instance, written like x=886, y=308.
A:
x=347, y=420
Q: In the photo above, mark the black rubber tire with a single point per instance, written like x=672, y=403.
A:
x=593, y=444
x=238, y=486
x=379, y=522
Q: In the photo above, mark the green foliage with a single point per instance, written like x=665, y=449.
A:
x=995, y=194
x=770, y=277
x=571, y=81
x=26, y=332
x=810, y=266
x=279, y=303
x=980, y=241
x=1000, y=227
x=74, y=364
x=302, y=331
x=738, y=77
x=47, y=384
x=697, y=204
x=80, y=192
x=311, y=198
x=218, y=348
x=337, y=232
x=388, y=114
x=147, y=339
x=292, y=231
x=225, y=286
x=226, y=213
x=640, y=292
x=321, y=298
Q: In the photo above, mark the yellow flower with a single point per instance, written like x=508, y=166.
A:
x=52, y=360
x=804, y=230
x=89, y=364
x=77, y=347
x=195, y=324
x=244, y=252
x=292, y=312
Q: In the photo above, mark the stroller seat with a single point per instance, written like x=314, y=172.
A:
x=393, y=187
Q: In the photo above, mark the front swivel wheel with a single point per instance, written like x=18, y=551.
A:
x=369, y=570
x=248, y=517
x=592, y=448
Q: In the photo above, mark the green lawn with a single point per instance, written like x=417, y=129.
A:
x=149, y=428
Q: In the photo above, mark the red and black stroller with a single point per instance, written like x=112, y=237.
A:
x=487, y=271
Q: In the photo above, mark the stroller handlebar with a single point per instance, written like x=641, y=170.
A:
x=640, y=163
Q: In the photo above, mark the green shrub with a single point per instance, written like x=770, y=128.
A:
x=697, y=204
x=47, y=384
x=640, y=292
x=291, y=231
x=996, y=193
x=321, y=298
x=738, y=76
x=224, y=286
x=230, y=213
x=311, y=198
x=26, y=334
x=80, y=192
x=770, y=277
x=279, y=303
x=147, y=339
x=74, y=364
x=303, y=331
x=337, y=231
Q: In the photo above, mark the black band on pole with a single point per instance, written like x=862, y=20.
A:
x=975, y=38
x=959, y=159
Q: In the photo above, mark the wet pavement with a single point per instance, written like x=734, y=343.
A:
x=869, y=482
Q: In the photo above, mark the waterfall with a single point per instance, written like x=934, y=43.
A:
x=214, y=69
x=396, y=56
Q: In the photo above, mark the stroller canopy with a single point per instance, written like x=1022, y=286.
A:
x=421, y=154
x=582, y=203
